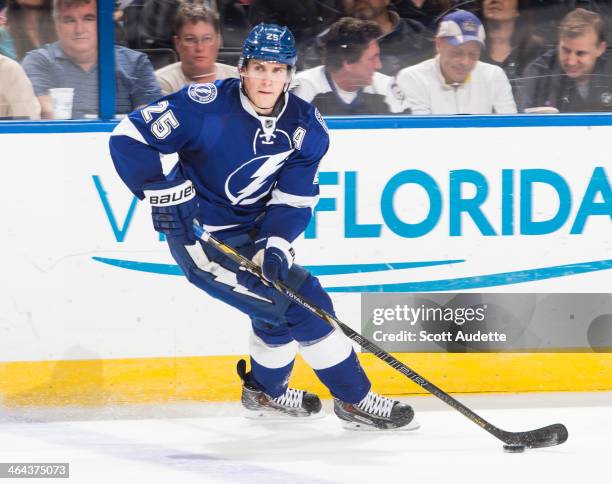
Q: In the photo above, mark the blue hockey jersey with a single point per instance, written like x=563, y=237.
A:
x=249, y=171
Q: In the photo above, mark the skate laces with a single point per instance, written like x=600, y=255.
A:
x=376, y=405
x=291, y=398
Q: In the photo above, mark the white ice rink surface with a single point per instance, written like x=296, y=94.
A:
x=213, y=443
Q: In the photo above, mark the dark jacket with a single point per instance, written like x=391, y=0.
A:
x=545, y=84
x=525, y=51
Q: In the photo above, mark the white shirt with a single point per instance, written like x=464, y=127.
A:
x=486, y=90
x=171, y=78
x=347, y=96
x=17, y=97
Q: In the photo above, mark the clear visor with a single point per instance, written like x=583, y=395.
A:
x=267, y=70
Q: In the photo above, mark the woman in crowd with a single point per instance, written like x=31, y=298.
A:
x=511, y=42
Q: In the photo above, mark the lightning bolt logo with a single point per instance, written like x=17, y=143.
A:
x=258, y=179
x=221, y=274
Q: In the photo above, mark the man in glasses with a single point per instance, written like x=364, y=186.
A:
x=197, y=42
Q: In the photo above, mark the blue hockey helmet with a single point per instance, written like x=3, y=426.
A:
x=269, y=42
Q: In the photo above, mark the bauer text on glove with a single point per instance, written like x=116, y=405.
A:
x=173, y=206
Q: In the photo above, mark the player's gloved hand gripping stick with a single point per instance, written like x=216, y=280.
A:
x=515, y=441
x=274, y=256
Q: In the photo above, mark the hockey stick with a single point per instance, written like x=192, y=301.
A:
x=515, y=441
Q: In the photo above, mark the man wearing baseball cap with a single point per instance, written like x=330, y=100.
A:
x=455, y=81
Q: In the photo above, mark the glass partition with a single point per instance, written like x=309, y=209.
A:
x=355, y=57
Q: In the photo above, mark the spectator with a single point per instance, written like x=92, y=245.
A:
x=7, y=46
x=455, y=81
x=197, y=42
x=72, y=62
x=404, y=42
x=17, y=99
x=348, y=81
x=511, y=43
x=574, y=77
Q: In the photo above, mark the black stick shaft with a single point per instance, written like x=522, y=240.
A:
x=507, y=437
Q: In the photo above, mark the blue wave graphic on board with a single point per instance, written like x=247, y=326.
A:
x=472, y=282
x=487, y=280
x=323, y=270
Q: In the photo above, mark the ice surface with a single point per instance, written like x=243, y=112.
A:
x=213, y=443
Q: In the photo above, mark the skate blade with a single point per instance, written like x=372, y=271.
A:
x=271, y=416
x=358, y=426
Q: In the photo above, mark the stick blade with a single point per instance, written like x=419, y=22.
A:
x=548, y=436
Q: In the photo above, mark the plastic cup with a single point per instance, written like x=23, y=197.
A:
x=542, y=110
x=61, y=99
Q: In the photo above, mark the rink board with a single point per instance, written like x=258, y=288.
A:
x=92, y=297
x=213, y=378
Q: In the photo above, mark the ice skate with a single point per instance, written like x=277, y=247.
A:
x=290, y=405
x=376, y=412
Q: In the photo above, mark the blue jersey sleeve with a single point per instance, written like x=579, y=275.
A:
x=167, y=126
x=296, y=191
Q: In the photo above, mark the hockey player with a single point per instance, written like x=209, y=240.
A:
x=249, y=153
